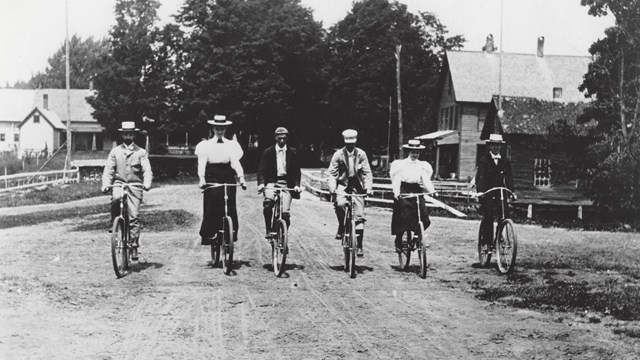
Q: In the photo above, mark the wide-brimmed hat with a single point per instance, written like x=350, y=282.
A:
x=413, y=144
x=219, y=120
x=281, y=131
x=350, y=136
x=128, y=126
x=495, y=139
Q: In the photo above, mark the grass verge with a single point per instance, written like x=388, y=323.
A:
x=156, y=221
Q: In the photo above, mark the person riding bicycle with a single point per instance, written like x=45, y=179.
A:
x=494, y=170
x=350, y=173
x=218, y=162
x=128, y=163
x=279, y=168
x=409, y=175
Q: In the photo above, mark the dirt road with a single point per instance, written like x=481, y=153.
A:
x=59, y=298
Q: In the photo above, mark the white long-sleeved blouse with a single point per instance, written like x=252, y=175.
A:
x=212, y=152
x=413, y=172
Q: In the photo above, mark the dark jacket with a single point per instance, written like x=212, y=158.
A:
x=490, y=175
x=268, y=169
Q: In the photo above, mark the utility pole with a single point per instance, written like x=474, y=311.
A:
x=399, y=87
x=500, y=112
x=389, y=133
x=67, y=164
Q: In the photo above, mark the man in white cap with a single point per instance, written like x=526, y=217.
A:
x=279, y=168
x=494, y=170
x=128, y=163
x=349, y=172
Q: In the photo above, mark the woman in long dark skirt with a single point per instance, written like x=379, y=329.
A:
x=218, y=162
x=410, y=175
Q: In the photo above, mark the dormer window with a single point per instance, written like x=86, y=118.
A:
x=557, y=93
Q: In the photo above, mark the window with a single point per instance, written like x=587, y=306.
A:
x=557, y=93
x=482, y=116
x=542, y=173
x=36, y=119
x=1, y=137
x=16, y=137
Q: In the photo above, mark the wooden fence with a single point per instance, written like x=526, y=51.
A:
x=29, y=180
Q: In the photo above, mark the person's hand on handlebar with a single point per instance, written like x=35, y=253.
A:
x=297, y=189
x=202, y=184
x=243, y=185
x=260, y=188
x=105, y=189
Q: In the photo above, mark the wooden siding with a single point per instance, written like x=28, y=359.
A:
x=469, y=140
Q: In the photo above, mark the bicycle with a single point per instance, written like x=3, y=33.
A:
x=278, y=235
x=349, y=242
x=224, y=247
x=504, y=243
x=412, y=241
x=123, y=252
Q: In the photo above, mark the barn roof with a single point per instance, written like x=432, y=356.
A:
x=475, y=75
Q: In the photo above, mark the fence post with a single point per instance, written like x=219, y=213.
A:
x=580, y=212
x=6, y=180
x=530, y=211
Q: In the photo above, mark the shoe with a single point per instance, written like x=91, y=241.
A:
x=110, y=231
x=134, y=253
x=360, y=253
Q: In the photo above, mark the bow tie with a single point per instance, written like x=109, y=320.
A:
x=494, y=157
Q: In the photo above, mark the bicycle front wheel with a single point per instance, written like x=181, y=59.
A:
x=352, y=250
x=280, y=248
x=119, y=251
x=484, y=249
x=422, y=250
x=404, y=254
x=227, y=245
x=507, y=247
x=215, y=252
x=346, y=246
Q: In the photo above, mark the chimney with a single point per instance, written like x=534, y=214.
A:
x=541, y=46
x=90, y=84
x=45, y=101
x=488, y=47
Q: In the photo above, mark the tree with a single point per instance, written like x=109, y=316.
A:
x=84, y=63
x=362, y=67
x=256, y=61
x=613, y=81
x=133, y=82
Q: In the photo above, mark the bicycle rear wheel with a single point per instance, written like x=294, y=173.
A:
x=404, y=256
x=227, y=245
x=280, y=247
x=484, y=249
x=119, y=251
x=422, y=250
x=506, y=247
x=352, y=250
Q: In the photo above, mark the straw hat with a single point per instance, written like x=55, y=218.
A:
x=219, y=120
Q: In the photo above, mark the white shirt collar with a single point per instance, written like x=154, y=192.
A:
x=493, y=156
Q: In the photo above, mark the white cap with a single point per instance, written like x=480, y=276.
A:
x=350, y=136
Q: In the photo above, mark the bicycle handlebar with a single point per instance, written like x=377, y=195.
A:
x=495, y=189
x=215, y=185
x=121, y=184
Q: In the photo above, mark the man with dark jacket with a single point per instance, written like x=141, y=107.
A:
x=279, y=168
x=494, y=170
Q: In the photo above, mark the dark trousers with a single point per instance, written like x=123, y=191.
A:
x=491, y=209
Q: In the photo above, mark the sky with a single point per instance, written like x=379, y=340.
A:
x=32, y=30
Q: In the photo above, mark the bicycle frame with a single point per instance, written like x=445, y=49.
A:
x=226, y=196
x=502, y=198
x=277, y=208
x=120, y=246
x=505, y=247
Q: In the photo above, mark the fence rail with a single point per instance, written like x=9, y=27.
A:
x=29, y=180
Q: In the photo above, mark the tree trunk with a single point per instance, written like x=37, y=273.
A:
x=623, y=121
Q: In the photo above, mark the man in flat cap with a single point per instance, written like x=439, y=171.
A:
x=350, y=173
x=279, y=168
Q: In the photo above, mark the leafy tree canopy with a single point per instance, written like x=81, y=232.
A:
x=362, y=67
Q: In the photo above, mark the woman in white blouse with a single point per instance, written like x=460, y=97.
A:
x=218, y=162
x=409, y=175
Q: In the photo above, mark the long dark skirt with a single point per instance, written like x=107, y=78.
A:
x=405, y=211
x=213, y=202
